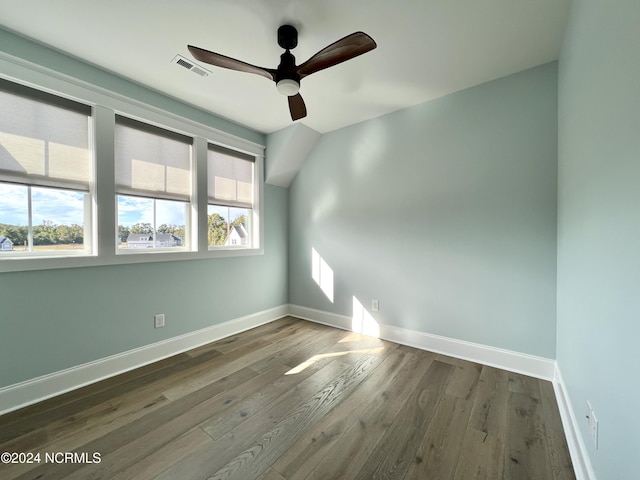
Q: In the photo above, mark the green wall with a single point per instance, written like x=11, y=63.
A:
x=444, y=212
x=599, y=228
x=55, y=319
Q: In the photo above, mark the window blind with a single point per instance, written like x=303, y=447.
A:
x=230, y=177
x=152, y=162
x=44, y=139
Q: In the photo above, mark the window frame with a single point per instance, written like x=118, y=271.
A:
x=255, y=219
x=105, y=106
x=190, y=208
x=29, y=182
x=88, y=228
x=187, y=245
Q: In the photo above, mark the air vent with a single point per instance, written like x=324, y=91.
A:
x=183, y=62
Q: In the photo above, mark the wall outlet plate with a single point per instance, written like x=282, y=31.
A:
x=594, y=429
x=592, y=424
x=158, y=320
x=375, y=305
x=588, y=413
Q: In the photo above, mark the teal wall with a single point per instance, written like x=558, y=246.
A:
x=599, y=228
x=55, y=319
x=444, y=212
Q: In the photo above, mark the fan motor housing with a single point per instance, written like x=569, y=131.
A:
x=287, y=68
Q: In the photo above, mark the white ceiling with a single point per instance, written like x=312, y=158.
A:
x=426, y=48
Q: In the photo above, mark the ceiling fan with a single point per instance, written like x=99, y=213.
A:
x=288, y=75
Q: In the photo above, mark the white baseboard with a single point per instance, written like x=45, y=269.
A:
x=579, y=456
x=37, y=389
x=320, y=316
x=531, y=365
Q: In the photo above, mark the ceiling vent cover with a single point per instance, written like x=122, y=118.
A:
x=183, y=62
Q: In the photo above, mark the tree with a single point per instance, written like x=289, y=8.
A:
x=45, y=234
x=64, y=234
x=123, y=233
x=179, y=231
x=239, y=220
x=141, y=228
x=218, y=229
x=76, y=233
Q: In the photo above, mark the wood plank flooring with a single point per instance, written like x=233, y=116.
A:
x=296, y=400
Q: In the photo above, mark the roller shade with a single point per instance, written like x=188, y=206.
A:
x=152, y=162
x=230, y=177
x=44, y=139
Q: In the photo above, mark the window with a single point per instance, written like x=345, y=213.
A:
x=231, y=191
x=45, y=174
x=128, y=195
x=154, y=179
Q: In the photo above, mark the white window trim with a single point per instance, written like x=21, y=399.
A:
x=256, y=230
x=106, y=105
x=189, y=244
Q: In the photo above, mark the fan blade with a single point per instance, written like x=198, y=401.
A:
x=344, y=49
x=297, y=107
x=223, y=61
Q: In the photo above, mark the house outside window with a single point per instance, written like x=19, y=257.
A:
x=6, y=244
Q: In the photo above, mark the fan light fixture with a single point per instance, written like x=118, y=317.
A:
x=288, y=87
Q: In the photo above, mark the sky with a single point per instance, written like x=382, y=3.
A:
x=132, y=210
x=59, y=206
x=67, y=208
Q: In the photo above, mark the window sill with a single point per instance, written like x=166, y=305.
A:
x=18, y=264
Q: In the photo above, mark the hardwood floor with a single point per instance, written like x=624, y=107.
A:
x=296, y=400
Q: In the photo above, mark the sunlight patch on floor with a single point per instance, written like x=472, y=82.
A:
x=354, y=337
x=306, y=364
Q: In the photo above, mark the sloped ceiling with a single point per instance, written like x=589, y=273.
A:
x=287, y=150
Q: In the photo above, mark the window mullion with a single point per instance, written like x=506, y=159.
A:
x=106, y=233
x=154, y=227
x=29, y=220
x=200, y=228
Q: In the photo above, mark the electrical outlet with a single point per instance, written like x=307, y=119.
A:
x=159, y=320
x=594, y=429
x=375, y=305
x=592, y=424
